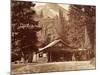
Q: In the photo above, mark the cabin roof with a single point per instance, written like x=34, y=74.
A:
x=52, y=44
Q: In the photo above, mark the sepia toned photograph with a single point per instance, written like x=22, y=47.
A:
x=52, y=37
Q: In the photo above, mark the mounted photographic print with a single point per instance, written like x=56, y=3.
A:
x=52, y=37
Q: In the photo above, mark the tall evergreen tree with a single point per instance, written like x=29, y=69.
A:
x=82, y=26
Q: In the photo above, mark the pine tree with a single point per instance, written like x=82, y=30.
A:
x=82, y=24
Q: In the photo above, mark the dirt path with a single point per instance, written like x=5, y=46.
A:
x=52, y=67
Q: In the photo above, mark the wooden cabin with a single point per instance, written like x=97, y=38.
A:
x=58, y=51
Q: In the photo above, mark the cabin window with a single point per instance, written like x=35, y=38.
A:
x=40, y=55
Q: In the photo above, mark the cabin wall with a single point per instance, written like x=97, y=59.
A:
x=59, y=55
x=40, y=58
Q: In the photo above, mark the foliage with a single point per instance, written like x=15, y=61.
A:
x=81, y=17
x=24, y=27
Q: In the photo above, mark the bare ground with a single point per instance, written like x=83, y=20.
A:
x=52, y=67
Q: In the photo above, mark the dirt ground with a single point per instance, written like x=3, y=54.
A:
x=51, y=67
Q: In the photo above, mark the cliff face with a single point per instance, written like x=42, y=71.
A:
x=50, y=9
